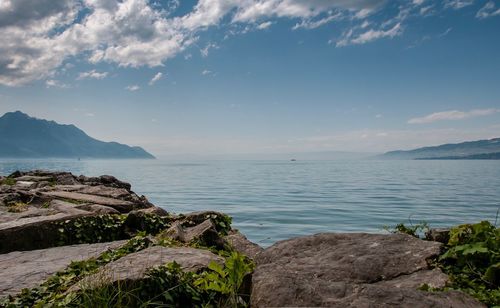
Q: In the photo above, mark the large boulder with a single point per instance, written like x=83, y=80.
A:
x=133, y=267
x=28, y=269
x=351, y=270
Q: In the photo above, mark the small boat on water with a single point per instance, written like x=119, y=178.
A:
x=293, y=159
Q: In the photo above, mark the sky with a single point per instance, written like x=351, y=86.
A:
x=256, y=76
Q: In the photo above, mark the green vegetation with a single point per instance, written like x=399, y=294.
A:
x=417, y=230
x=91, y=229
x=227, y=280
x=107, y=228
x=472, y=260
x=169, y=286
x=17, y=207
x=163, y=286
x=51, y=293
x=222, y=222
x=8, y=181
x=219, y=285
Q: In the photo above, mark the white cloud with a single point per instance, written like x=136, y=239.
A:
x=458, y=4
x=155, y=78
x=206, y=72
x=369, y=36
x=425, y=10
x=132, y=88
x=39, y=36
x=204, y=51
x=52, y=83
x=446, y=32
x=452, y=115
x=488, y=10
x=264, y=25
x=89, y=114
x=93, y=74
x=251, y=11
x=313, y=24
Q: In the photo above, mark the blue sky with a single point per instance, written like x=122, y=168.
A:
x=256, y=76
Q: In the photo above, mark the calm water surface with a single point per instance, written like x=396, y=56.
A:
x=275, y=200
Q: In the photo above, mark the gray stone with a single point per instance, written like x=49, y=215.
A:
x=28, y=269
x=106, y=180
x=35, y=178
x=242, y=245
x=204, y=232
x=154, y=210
x=120, y=205
x=350, y=270
x=97, y=209
x=104, y=191
x=196, y=218
x=35, y=228
x=134, y=266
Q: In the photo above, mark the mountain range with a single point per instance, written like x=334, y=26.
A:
x=481, y=149
x=22, y=136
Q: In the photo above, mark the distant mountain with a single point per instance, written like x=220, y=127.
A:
x=491, y=156
x=27, y=137
x=482, y=149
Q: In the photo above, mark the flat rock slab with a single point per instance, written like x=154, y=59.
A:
x=134, y=266
x=351, y=270
x=37, y=231
x=120, y=205
x=28, y=269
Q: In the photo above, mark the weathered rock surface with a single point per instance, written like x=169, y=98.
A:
x=204, y=232
x=119, y=205
x=134, y=266
x=351, y=270
x=34, y=201
x=28, y=269
x=240, y=243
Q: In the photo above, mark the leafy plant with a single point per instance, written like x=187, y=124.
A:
x=91, y=229
x=417, y=230
x=8, y=181
x=472, y=260
x=227, y=279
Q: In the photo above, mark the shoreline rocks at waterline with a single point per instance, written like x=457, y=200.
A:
x=50, y=220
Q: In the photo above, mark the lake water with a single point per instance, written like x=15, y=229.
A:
x=275, y=200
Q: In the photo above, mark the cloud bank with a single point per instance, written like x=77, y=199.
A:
x=39, y=37
x=452, y=115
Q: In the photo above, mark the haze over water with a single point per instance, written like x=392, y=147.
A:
x=275, y=200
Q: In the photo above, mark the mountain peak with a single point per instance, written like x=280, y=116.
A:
x=16, y=114
x=24, y=136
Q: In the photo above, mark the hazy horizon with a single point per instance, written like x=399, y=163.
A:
x=268, y=77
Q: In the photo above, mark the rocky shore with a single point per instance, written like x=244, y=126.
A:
x=69, y=240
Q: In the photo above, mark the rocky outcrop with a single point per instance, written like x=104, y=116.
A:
x=28, y=269
x=351, y=270
x=42, y=209
x=32, y=204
